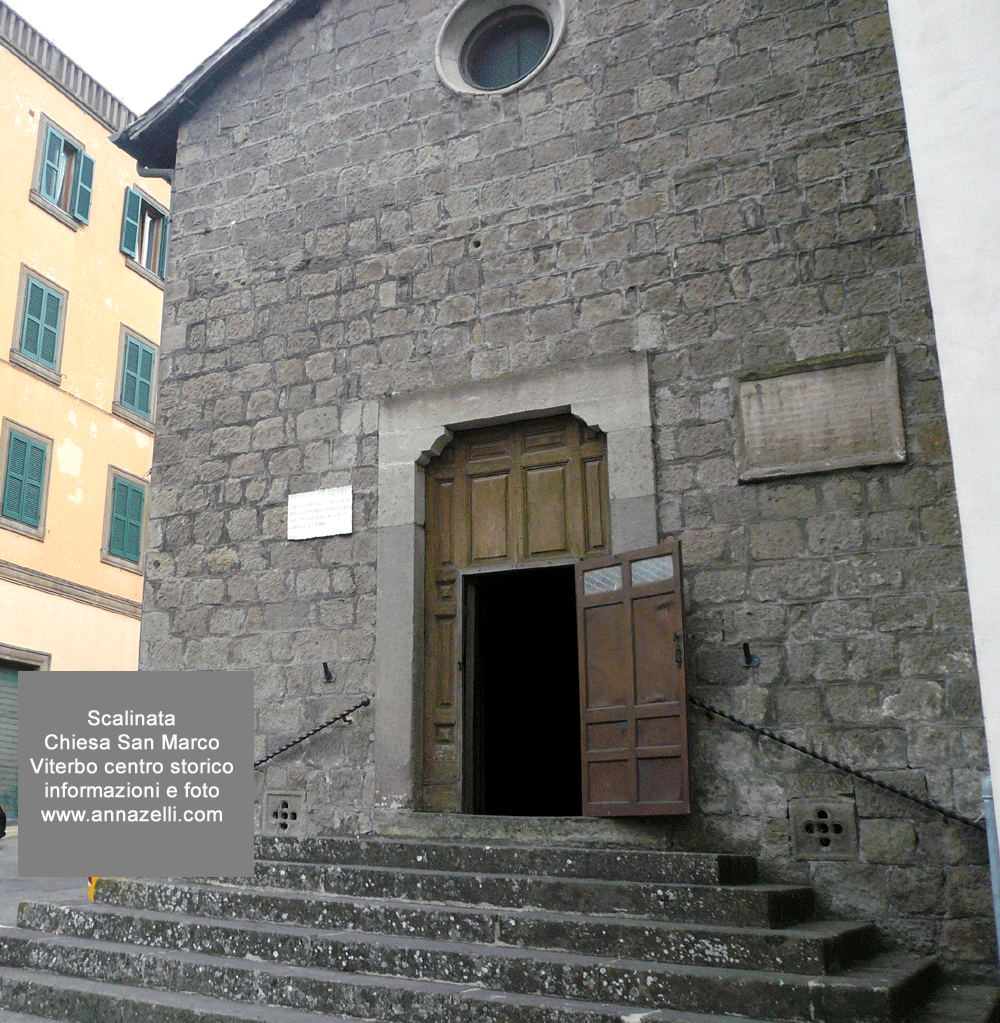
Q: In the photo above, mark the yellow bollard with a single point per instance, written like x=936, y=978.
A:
x=93, y=881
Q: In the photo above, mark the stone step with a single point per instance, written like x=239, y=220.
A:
x=82, y=1001
x=813, y=947
x=808, y=949
x=961, y=1003
x=33, y=997
x=757, y=905
x=654, y=865
x=418, y=929
x=881, y=992
x=71, y=999
x=636, y=832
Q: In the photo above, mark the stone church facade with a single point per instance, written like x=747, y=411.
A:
x=369, y=268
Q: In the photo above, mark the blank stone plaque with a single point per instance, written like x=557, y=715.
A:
x=820, y=417
x=320, y=513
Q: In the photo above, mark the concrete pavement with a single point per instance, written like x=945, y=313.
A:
x=15, y=890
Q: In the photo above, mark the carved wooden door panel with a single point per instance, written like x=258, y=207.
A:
x=633, y=694
x=501, y=496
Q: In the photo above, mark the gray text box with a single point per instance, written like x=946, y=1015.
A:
x=144, y=773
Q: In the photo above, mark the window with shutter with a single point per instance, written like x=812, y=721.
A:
x=144, y=235
x=124, y=521
x=25, y=458
x=64, y=180
x=137, y=376
x=38, y=344
x=40, y=329
x=135, y=391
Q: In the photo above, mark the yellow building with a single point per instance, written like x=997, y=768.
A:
x=81, y=293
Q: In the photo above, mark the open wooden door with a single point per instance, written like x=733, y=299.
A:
x=633, y=694
x=517, y=495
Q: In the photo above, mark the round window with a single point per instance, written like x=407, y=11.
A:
x=506, y=47
x=488, y=47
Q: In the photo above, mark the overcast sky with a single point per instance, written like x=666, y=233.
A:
x=138, y=51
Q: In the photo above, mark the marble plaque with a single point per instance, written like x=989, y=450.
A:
x=320, y=513
x=820, y=417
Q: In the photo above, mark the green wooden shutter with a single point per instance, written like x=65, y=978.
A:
x=40, y=330
x=53, y=164
x=8, y=738
x=13, y=484
x=137, y=376
x=125, y=540
x=119, y=516
x=144, y=391
x=22, y=491
x=130, y=223
x=162, y=271
x=133, y=526
x=50, y=328
x=34, y=479
x=83, y=187
x=31, y=330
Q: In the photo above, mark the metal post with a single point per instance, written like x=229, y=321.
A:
x=991, y=841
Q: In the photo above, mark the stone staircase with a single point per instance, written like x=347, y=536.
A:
x=400, y=930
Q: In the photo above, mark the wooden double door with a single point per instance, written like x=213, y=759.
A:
x=554, y=672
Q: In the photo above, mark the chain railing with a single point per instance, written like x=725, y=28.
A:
x=798, y=747
x=307, y=735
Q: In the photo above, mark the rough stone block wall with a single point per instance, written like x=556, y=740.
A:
x=722, y=185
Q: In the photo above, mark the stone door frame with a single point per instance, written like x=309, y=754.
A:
x=611, y=395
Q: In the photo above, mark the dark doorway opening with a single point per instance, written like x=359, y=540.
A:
x=522, y=702
x=8, y=734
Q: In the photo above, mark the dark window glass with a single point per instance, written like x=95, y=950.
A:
x=506, y=47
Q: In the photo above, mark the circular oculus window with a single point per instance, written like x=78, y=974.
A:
x=506, y=47
x=491, y=46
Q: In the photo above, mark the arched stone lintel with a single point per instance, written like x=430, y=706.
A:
x=611, y=395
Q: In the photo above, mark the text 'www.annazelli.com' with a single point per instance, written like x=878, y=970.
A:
x=165, y=815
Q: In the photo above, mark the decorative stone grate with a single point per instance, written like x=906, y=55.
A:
x=284, y=813
x=824, y=829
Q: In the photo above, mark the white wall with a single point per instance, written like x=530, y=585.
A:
x=949, y=64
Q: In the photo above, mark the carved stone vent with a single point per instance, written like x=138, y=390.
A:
x=284, y=813
x=824, y=829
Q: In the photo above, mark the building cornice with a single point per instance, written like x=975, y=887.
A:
x=68, y=77
x=22, y=576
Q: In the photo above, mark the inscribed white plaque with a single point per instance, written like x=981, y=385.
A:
x=820, y=417
x=320, y=513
